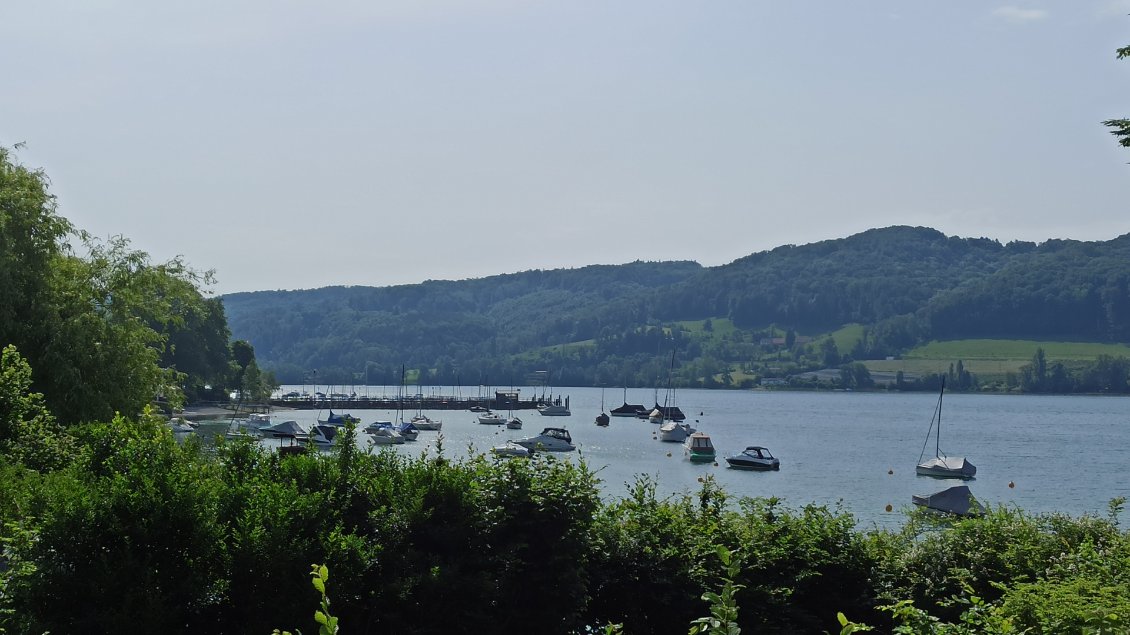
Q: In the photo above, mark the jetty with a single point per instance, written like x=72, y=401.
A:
x=501, y=400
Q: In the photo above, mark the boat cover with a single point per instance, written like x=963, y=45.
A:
x=285, y=429
x=948, y=465
x=954, y=500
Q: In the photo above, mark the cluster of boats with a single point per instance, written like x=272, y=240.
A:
x=673, y=428
x=325, y=432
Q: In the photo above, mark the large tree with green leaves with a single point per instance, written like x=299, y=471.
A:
x=32, y=237
x=104, y=331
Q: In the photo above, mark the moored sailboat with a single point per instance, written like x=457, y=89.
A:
x=941, y=465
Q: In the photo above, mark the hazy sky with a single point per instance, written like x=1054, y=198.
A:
x=304, y=144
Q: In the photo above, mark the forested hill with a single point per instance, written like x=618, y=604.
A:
x=906, y=285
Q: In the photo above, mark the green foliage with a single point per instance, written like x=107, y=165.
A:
x=647, y=547
x=723, y=619
x=127, y=539
x=31, y=238
x=1121, y=127
x=105, y=332
x=327, y=624
x=29, y=434
x=1010, y=572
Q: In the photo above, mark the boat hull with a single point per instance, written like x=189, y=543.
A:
x=947, y=467
x=554, y=411
x=701, y=457
x=675, y=432
x=753, y=465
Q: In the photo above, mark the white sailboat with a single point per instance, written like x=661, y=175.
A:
x=941, y=465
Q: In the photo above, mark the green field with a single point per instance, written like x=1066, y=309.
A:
x=992, y=357
x=719, y=326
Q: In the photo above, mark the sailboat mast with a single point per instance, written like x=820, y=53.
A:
x=938, y=439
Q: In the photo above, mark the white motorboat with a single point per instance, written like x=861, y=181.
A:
x=406, y=429
x=699, y=448
x=940, y=465
x=675, y=432
x=550, y=440
x=754, y=457
x=510, y=449
x=491, y=418
x=258, y=420
x=555, y=409
x=384, y=436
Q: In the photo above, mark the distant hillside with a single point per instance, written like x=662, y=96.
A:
x=613, y=324
x=442, y=325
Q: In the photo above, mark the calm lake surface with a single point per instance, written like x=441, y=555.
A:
x=1062, y=453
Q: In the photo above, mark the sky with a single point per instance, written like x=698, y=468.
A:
x=296, y=145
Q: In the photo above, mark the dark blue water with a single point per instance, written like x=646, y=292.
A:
x=1064, y=454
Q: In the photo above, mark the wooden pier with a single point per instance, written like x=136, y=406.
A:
x=502, y=400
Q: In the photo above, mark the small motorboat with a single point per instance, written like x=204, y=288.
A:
x=699, y=448
x=510, y=449
x=383, y=435
x=754, y=457
x=258, y=420
x=557, y=408
x=550, y=440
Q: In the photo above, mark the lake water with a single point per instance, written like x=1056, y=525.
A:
x=1061, y=453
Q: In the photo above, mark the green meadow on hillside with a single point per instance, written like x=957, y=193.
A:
x=993, y=358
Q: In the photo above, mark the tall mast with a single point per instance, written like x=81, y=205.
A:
x=938, y=445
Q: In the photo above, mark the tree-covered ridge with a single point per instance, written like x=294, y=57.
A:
x=1061, y=288
x=864, y=278
x=612, y=324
